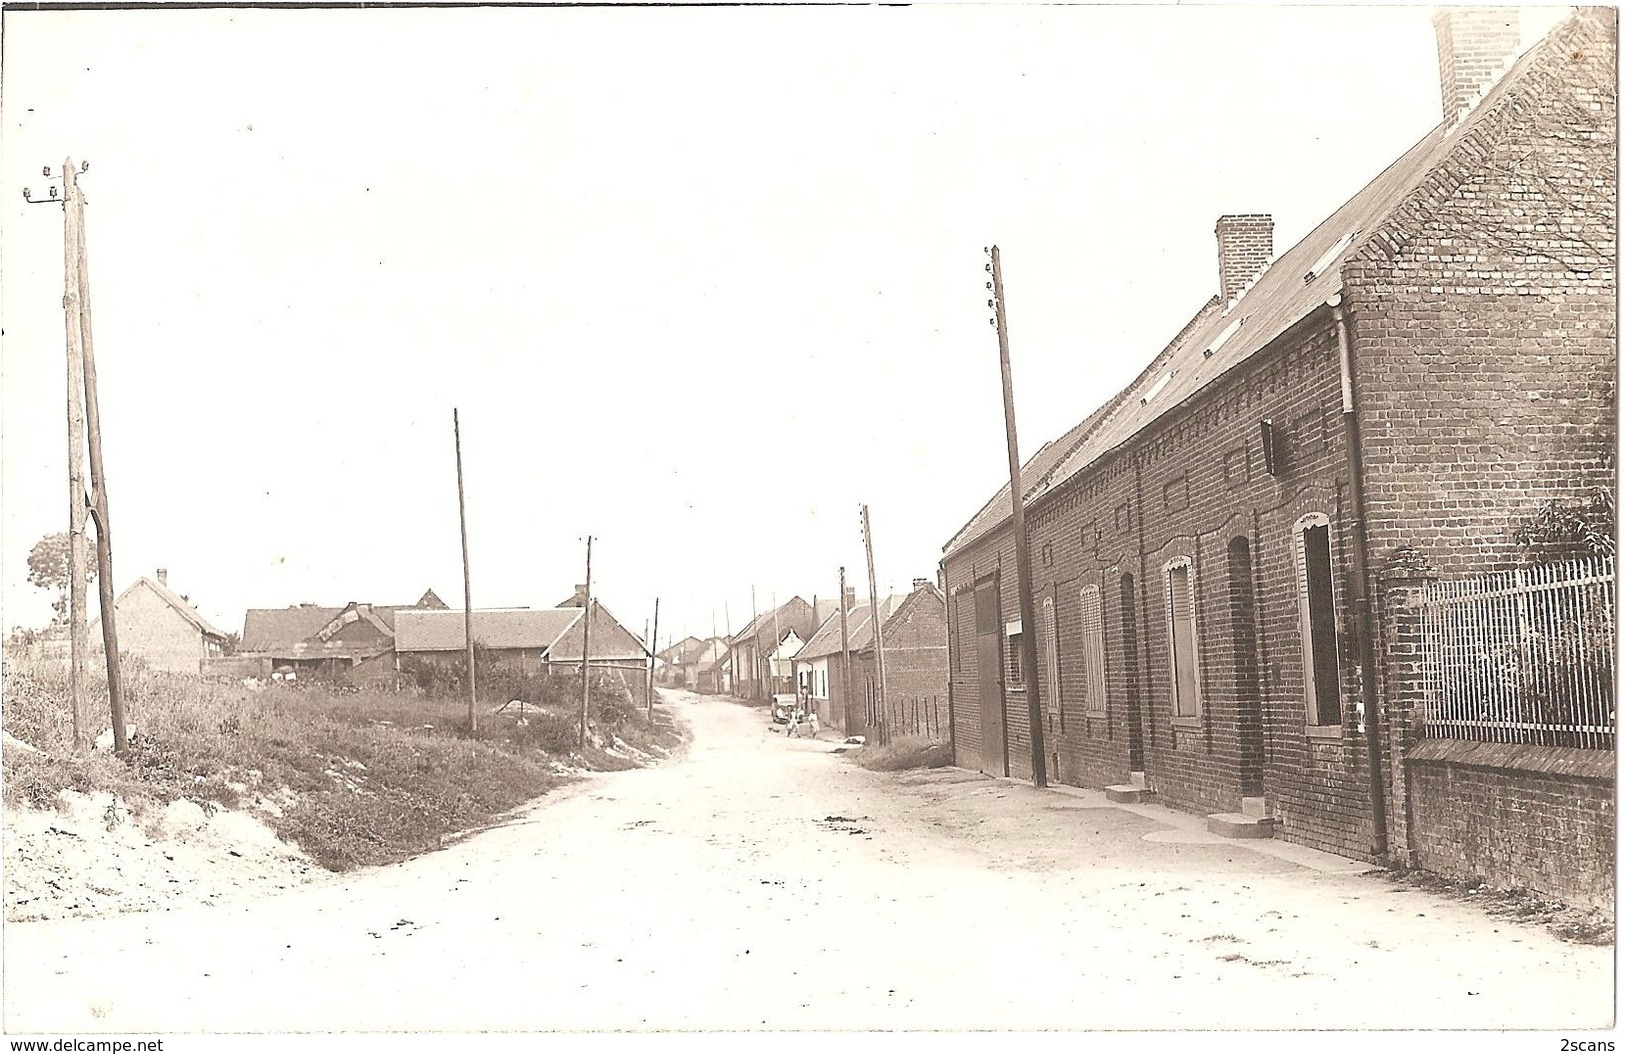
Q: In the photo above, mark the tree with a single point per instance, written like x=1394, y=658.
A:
x=48, y=569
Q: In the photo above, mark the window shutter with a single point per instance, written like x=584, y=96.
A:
x=1094, y=649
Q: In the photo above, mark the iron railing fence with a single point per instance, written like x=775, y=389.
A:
x=1522, y=656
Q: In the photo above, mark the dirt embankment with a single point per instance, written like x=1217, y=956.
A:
x=91, y=856
x=227, y=791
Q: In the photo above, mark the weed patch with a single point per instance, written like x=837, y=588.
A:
x=352, y=777
x=1576, y=925
x=907, y=752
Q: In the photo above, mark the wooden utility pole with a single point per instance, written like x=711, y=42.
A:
x=773, y=656
x=875, y=620
x=654, y=636
x=586, y=642
x=78, y=634
x=1018, y=524
x=846, y=664
x=468, y=596
x=75, y=202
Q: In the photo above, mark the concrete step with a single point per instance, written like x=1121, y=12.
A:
x=1254, y=807
x=1237, y=825
x=1137, y=778
x=1128, y=794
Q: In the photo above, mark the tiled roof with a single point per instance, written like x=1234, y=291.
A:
x=1281, y=296
x=714, y=654
x=424, y=630
x=267, y=629
x=755, y=626
x=827, y=641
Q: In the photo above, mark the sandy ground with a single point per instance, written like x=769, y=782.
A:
x=765, y=883
x=91, y=857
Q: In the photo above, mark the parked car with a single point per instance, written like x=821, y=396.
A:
x=784, y=707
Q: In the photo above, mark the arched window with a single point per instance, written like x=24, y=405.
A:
x=1317, y=620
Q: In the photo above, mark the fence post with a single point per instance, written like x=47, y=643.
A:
x=1404, y=584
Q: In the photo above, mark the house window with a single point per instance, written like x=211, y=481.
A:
x=1052, y=660
x=1013, y=670
x=1094, y=649
x=1317, y=621
x=1181, y=598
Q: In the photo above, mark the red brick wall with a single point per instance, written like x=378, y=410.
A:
x=1485, y=329
x=1540, y=818
x=1186, y=488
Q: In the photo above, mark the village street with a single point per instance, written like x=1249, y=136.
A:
x=765, y=883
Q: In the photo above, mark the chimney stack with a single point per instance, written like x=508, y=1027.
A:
x=921, y=583
x=1246, y=245
x=163, y=576
x=1474, y=45
x=851, y=597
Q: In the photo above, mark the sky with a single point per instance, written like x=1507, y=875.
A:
x=700, y=282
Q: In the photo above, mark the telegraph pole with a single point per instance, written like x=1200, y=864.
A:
x=846, y=664
x=586, y=642
x=1018, y=525
x=654, y=636
x=468, y=597
x=78, y=635
x=773, y=656
x=76, y=312
x=875, y=620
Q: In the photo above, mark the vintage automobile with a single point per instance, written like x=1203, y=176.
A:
x=784, y=707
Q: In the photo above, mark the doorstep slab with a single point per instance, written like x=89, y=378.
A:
x=1239, y=825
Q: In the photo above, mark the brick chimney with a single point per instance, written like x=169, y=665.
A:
x=921, y=583
x=851, y=597
x=163, y=576
x=1246, y=245
x=1474, y=46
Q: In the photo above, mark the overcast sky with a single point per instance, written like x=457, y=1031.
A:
x=701, y=281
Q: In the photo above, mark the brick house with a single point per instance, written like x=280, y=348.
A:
x=752, y=648
x=1214, y=550
x=160, y=627
x=914, y=634
x=819, y=663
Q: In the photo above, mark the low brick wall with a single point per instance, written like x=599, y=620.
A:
x=1539, y=818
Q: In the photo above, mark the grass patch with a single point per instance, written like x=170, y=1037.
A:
x=907, y=752
x=354, y=778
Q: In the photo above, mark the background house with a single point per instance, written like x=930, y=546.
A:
x=615, y=650
x=914, y=634
x=517, y=637
x=819, y=662
x=355, y=641
x=708, y=672
x=752, y=647
x=160, y=627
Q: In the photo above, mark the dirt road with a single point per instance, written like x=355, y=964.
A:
x=761, y=883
